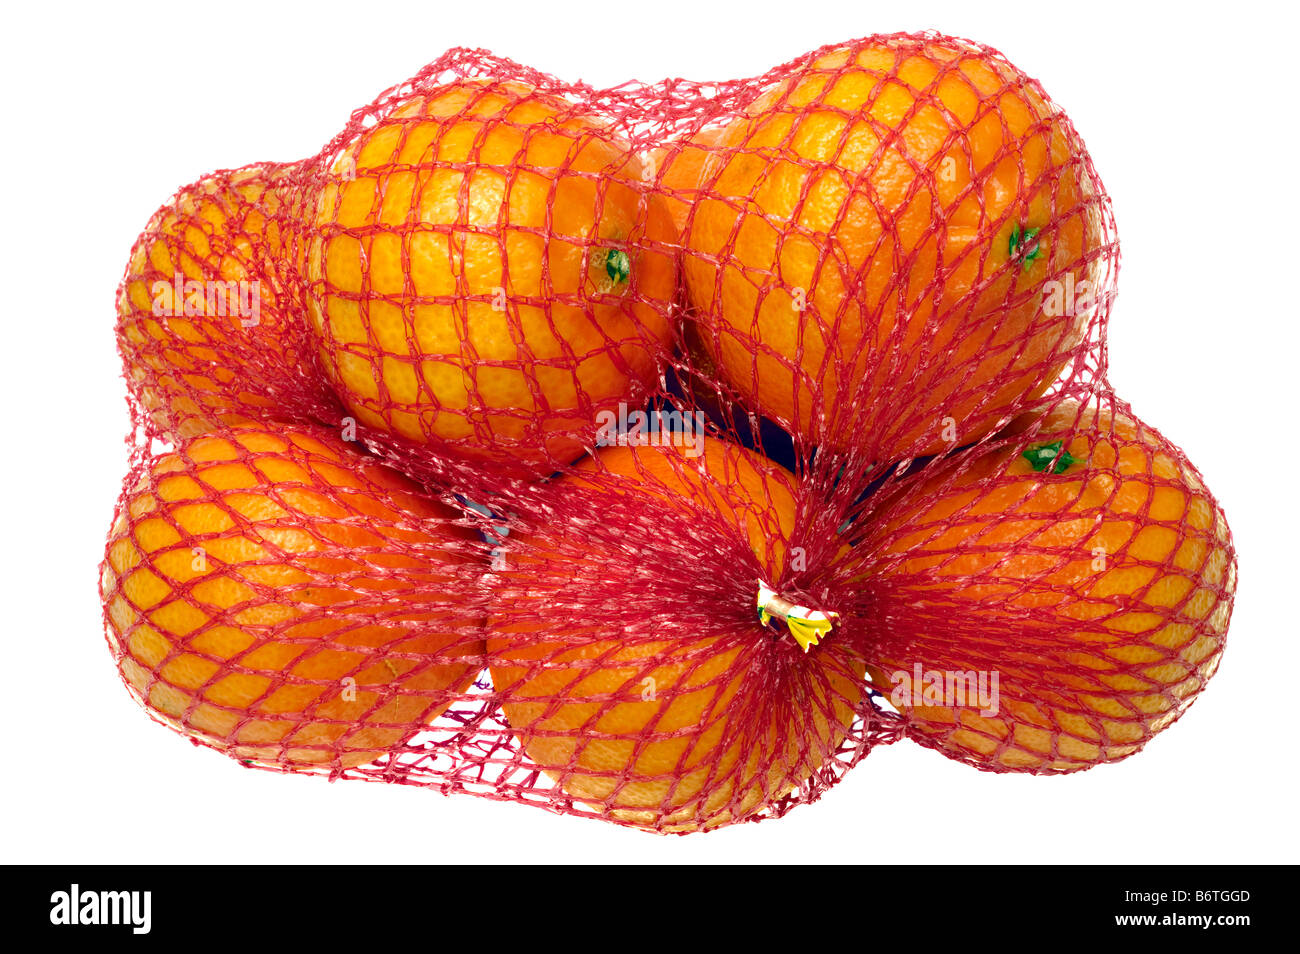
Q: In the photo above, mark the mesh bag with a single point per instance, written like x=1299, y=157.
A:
x=652, y=453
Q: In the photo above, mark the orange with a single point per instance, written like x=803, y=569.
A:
x=871, y=251
x=678, y=172
x=1097, y=581
x=277, y=595
x=487, y=272
x=636, y=679
x=202, y=326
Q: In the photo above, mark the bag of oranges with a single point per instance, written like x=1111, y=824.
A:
x=652, y=453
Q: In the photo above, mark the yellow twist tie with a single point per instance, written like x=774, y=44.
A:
x=807, y=626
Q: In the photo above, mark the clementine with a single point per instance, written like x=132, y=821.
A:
x=280, y=596
x=872, y=246
x=678, y=172
x=677, y=711
x=203, y=328
x=487, y=272
x=1082, y=562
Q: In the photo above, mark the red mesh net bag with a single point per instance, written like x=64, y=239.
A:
x=652, y=453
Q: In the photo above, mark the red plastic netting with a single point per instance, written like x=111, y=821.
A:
x=652, y=453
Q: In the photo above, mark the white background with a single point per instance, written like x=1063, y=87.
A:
x=1190, y=118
